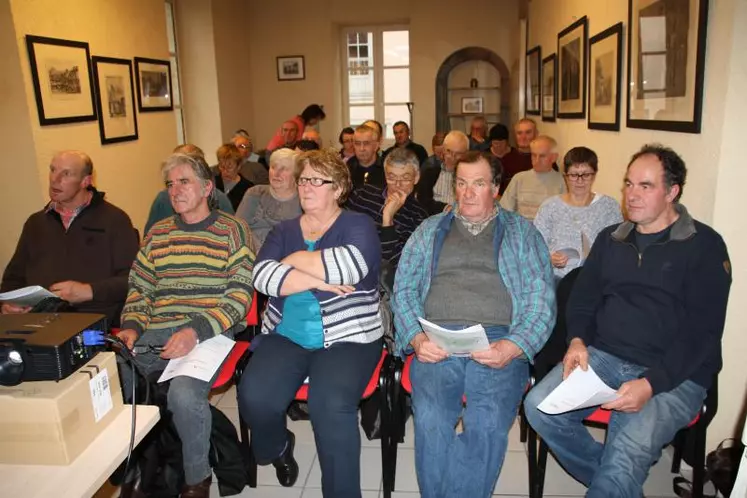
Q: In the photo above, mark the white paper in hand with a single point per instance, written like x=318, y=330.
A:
x=27, y=296
x=580, y=390
x=456, y=342
x=202, y=362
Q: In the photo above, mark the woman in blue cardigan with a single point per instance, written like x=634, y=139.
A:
x=321, y=271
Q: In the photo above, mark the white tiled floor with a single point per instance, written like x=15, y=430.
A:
x=513, y=482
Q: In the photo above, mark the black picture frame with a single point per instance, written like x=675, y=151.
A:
x=61, y=75
x=572, y=63
x=605, y=75
x=549, y=87
x=154, y=86
x=291, y=67
x=533, y=81
x=670, y=98
x=118, y=120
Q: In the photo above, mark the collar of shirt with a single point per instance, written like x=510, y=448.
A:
x=68, y=215
x=477, y=226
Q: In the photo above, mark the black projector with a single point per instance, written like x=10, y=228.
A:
x=45, y=346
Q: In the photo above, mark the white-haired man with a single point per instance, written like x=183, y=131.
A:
x=436, y=187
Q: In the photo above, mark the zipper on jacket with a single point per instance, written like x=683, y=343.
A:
x=640, y=254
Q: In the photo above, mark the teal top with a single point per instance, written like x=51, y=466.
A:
x=302, y=317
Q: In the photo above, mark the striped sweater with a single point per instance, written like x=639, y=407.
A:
x=351, y=255
x=196, y=276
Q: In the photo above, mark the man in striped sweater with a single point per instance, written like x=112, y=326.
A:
x=191, y=281
x=394, y=208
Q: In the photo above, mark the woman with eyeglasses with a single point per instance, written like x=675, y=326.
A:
x=570, y=222
x=322, y=321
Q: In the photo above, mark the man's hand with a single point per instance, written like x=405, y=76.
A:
x=340, y=290
x=73, y=292
x=634, y=394
x=394, y=201
x=559, y=260
x=179, y=344
x=128, y=336
x=499, y=354
x=577, y=355
x=8, y=308
x=427, y=351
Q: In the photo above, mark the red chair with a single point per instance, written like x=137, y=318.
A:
x=378, y=382
x=601, y=417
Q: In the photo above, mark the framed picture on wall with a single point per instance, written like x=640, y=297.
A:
x=153, y=78
x=471, y=105
x=61, y=74
x=605, y=59
x=115, y=99
x=572, y=70
x=666, y=64
x=534, y=71
x=291, y=67
x=549, y=87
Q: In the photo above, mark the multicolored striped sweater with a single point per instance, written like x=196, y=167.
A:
x=197, y=276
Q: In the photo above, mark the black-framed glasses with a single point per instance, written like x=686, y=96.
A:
x=579, y=176
x=147, y=348
x=400, y=179
x=314, y=181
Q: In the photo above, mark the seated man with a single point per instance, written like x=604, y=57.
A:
x=402, y=140
x=436, y=187
x=529, y=189
x=436, y=159
x=394, y=208
x=251, y=169
x=647, y=314
x=79, y=246
x=477, y=264
x=366, y=166
x=512, y=160
x=190, y=282
x=162, y=208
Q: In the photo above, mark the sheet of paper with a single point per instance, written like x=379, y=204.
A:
x=569, y=253
x=202, y=362
x=580, y=390
x=26, y=296
x=456, y=342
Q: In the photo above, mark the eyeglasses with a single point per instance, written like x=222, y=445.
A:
x=358, y=143
x=579, y=176
x=399, y=179
x=315, y=181
x=243, y=146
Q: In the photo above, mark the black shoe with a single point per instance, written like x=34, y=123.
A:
x=286, y=467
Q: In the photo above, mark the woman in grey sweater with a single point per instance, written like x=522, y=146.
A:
x=570, y=222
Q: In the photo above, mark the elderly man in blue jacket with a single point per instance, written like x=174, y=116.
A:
x=646, y=314
x=475, y=264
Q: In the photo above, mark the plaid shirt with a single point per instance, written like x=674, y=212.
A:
x=524, y=266
x=68, y=215
x=475, y=227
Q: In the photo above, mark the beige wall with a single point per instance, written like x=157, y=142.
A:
x=713, y=159
x=128, y=171
x=294, y=27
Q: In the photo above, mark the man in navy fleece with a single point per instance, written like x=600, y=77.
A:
x=647, y=314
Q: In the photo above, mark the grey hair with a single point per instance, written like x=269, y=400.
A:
x=402, y=158
x=199, y=167
x=284, y=156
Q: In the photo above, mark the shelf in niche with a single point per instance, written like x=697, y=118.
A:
x=461, y=88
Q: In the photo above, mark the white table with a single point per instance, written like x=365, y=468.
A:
x=84, y=476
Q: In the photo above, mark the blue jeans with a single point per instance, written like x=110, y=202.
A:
x=466, y=464
x=634, y=441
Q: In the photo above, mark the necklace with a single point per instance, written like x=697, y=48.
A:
x=315, y=234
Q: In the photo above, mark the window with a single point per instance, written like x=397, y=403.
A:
x=376, y=79
x=175, y=84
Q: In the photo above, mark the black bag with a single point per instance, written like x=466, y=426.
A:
x=722, y=466
x=371, y=417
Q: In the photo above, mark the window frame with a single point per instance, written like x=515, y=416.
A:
x=181, y=129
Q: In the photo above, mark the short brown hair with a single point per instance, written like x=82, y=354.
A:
x=229, y=152
x=475, y=156
x=327, y=162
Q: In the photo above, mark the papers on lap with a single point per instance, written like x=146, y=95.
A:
x=202, y=362
x=27, y=296
x=580, y=390
x=456, y=342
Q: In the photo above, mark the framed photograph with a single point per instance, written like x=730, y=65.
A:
x=153, y=79
x=666, y=64
x=115, y=99
x=61, y=72
x=572, y=70
x=471, y=105
x=291, y=68
x=549, y=87
x=534, y=71
x=605, y=69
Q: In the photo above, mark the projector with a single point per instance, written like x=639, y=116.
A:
x=45, y=346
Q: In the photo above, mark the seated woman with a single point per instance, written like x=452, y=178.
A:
x=322, y=321
x=228, y=180
x=570, y=222
x=264, y=206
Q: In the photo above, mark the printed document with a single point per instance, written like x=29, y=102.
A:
x=27, y=296
x=202, y=362
x=456, y=342
x=580, y=390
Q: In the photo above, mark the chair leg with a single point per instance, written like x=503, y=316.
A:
x=699, y=463
x=532, y=460
x=386, y=426
x=246, y=444
x=678, y=445
x=523, y=430
x=540, y=469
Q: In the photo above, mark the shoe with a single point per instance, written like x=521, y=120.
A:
x=286, y=467
x=132, y=490
x=199, y=490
